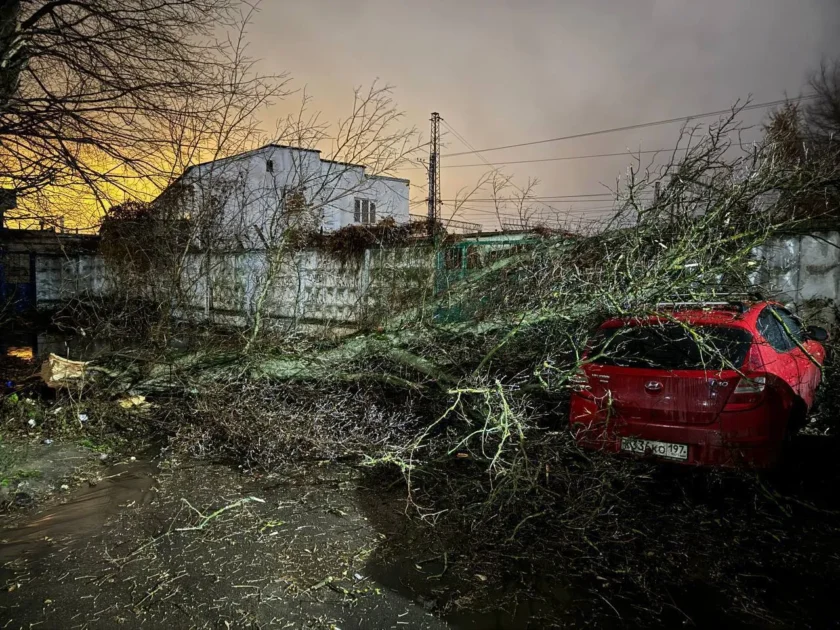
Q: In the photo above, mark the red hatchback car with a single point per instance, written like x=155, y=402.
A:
x=714, y=385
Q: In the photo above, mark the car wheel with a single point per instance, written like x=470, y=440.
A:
x=796, y=421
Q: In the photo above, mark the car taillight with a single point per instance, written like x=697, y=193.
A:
x=751, y=385
x=748, y=393
x=580, y=381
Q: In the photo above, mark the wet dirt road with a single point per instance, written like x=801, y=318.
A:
x=136, y=551
x=82, y=515
x=196, y=545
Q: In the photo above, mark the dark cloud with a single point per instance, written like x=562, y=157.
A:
x=506, y=71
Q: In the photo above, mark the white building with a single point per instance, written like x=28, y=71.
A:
x=249, y=198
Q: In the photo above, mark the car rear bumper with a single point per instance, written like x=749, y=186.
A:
x=743, y=439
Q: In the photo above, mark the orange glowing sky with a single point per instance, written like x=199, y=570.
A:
x=503, y=72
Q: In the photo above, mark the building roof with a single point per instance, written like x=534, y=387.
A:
x=250, y=152
x=390, y=178
x=341, y=163
x=291, y=148
x=275, y=146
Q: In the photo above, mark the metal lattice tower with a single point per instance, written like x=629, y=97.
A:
x=434, y=172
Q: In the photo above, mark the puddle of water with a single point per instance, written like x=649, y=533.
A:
x=410, y=561
x=533, y=605
x=83, y=514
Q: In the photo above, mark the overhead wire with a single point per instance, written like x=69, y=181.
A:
x=654, y=123
x=572, y=198
x=508, y=212
x=483, y=159
x=554, y=159
x=603, y=196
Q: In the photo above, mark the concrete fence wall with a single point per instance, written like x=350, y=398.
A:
x=803, y=271
x=313, y=287
x=60, y=277
x=308, y=287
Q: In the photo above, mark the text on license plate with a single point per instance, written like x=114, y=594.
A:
x=658, y=449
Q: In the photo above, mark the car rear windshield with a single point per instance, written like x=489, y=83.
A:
x=671, y=347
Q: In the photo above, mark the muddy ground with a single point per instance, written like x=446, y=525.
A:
x=134, y=551
x=184, y=544
x=171, y=542
x=32, y=472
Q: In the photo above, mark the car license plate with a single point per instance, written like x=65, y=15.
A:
x=658, y=449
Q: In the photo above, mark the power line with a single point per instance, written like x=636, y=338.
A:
x=483, y=159
x=554, y=159
x=506, y=211
x=597, y=216
x=511, y=213
x=654, y=123
x=625, y=153
x=558, y=217
x=572, y=198
x=563, y=203
x=466, y=144
x=601, y=197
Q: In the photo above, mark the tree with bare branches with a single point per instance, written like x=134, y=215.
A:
x=231, y=230
x=822, y=115
x=102, y=99
x=807, y=133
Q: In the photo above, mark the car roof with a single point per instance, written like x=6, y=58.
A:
x=698, y=316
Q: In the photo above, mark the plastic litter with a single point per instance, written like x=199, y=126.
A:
x=133, y=401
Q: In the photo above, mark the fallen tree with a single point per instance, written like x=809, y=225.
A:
x=526, y=318
x=470, y=411
x=694, y=239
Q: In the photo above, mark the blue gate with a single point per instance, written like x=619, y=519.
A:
x=17, y=280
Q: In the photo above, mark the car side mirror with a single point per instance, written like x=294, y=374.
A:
x=816, y=333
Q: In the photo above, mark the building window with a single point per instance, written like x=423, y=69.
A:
x=364, y=211
x=269, y=166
